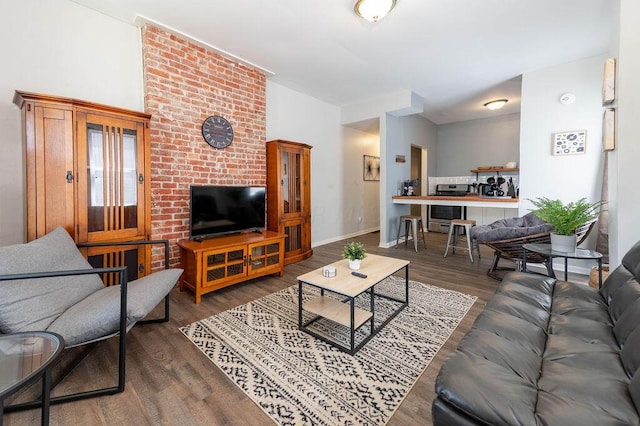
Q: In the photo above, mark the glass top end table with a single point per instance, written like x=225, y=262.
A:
x=545, y=250
x=25, y=357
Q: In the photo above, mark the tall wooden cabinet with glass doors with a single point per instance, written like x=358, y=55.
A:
x=87, y=169
x=289, y=196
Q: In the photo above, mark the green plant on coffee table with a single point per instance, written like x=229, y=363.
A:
x=565, y=218
x=354, y=251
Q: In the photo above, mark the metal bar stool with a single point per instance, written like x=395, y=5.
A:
x=414, y=221
x=453, y=231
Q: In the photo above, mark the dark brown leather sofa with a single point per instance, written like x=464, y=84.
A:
x=549, y=352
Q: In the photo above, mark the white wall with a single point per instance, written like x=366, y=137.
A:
x=568, y=177
x=624, y=165
x=397, y=134
x=294, y=116
x=60, y=48
x=465, y=145
x=360, y=199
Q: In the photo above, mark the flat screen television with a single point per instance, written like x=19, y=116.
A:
x=219, y=210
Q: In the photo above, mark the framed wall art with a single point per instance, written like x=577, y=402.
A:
x=609, y=129
x=569, y=143
x=609, y=82
x=371, y=168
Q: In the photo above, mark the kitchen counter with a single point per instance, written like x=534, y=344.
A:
x=466, y=201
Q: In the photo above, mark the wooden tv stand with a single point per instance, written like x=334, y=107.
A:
x=218, y=262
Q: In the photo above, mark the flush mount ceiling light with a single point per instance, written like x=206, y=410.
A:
x=373, y=10
x=497, y=104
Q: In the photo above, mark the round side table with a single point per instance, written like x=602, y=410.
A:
x=24, y=357
x=545, y=250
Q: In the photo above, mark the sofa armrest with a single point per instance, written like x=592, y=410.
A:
x=48, y=274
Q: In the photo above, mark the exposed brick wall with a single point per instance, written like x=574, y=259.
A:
x=184, y=84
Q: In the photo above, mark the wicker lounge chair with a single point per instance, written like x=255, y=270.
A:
x=507, y=236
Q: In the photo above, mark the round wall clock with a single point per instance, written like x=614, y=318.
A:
x=217, y=131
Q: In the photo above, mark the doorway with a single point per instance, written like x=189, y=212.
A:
x=419, y=173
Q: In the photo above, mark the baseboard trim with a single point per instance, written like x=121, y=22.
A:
x=343, y=237
x=559, y=269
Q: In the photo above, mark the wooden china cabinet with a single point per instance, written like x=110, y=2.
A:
x=87, y=168
x=289, y=196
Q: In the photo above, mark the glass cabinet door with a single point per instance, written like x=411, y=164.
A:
x=113, y=153
x=292, y=181
x=108, y=257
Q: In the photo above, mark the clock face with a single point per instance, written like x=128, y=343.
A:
x=217, y=131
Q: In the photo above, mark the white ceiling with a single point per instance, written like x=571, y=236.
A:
x=455, y=54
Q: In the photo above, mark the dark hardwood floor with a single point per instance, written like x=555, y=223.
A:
x=170, y=382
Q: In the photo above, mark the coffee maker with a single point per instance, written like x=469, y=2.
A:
x=410, y=187
x=492, y=188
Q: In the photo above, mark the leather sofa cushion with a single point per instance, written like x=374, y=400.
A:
x=514, y=356
x=622, y=275
x=514, y=329
x=634, y=389
x=482, y=389
x=533, y=289
x=519, y=309
x=630, y=354
x=561, y=411
x=631, y=260
x=581, y=294
x=591, y=381
x=623, y=298
x=583, y=329
x=627, y=322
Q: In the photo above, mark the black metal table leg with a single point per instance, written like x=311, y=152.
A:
x=372, y=307
x=353, y=322
x=406, y=284
x=300, y=305
x=600, y=273
x=46, y=389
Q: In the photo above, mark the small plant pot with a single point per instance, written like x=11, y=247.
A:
x=354, y=264
x=563, y=243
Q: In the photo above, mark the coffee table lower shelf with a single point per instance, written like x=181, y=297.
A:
x=337, y=311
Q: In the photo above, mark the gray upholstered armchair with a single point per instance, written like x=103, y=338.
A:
x=47, y=285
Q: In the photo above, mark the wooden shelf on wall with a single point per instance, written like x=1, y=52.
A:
x=495, y=169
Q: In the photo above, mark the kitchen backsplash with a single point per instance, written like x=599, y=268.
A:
x=469, y=179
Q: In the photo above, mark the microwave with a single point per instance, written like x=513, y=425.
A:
x=440, y=217
x=445, y=212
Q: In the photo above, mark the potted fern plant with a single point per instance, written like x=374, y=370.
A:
x=354, y=252
x=565, y=219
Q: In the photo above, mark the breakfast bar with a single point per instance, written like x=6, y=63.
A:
x=442, y=208
x=464, y=201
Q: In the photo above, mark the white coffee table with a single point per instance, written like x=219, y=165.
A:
x=344, y=311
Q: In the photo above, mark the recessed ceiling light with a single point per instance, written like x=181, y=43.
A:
x=496, y=104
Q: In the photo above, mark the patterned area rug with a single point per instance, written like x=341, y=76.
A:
x=299, y=380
